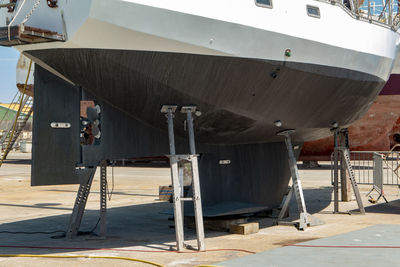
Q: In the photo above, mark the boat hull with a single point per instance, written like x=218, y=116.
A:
x=234, y=179
x=378, y=130
x=240, y=99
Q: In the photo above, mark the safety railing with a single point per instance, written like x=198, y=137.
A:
x=381, y=12
x=368, y=164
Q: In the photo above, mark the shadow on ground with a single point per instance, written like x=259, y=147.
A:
x=321, y=166
x=328, y=166
x=317, y=200
x=136, y=225
x=18, y=161
x=393, y=207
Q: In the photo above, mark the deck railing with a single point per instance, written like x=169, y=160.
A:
x=381, y=12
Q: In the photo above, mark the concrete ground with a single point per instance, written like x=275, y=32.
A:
x=374, y=245
x=136, y=221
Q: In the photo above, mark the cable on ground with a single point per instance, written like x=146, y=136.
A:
x=80, y=256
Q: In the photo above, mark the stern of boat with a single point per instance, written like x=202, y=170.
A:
x=33, y=21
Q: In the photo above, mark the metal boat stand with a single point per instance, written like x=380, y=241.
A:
x=341, y=154
x=177, y=165
x=306, y=219
x=81, y=200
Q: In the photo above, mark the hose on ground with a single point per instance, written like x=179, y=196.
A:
x=78, y=256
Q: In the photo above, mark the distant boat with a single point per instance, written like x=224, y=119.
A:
x=252, y=68
x=378, y=130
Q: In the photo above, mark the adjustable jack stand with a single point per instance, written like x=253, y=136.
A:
x=81, y=200
x=306, y=220
x=342, y=154
x=176, y=163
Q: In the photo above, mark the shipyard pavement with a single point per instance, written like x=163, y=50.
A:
x=137, y=219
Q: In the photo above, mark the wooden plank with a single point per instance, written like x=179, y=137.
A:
x=215, y=224
x=165, y=193
x=245, y=228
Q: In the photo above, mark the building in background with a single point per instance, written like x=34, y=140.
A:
x=7, y=118
x=9, y=112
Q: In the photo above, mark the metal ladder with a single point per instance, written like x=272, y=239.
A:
x=342, y=154
x=306, y=219
x=81, y=200
x=176, y=163
x=24, y=113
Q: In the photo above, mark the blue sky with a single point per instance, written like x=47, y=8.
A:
x=8, y=64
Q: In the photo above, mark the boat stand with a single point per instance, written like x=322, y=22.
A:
x=306, y=219
x=177, y=164
x=341, y=154
x=81, y=200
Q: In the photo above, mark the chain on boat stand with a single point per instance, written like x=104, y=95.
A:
x=177, y=164
x=341, y=160
x=81, y=200
x=306, y=219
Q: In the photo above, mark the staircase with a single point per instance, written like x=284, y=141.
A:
x=9, y=139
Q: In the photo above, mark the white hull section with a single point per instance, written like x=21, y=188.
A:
x=234, y=28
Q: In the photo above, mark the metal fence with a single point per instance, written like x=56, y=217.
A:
x=371, y=166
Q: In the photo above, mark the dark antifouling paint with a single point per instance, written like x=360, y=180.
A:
x=54, y=156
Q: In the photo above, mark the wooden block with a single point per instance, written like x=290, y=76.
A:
x=165, y=193
x=215, y=224
x=245, y=228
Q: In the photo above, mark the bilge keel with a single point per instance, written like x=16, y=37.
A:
x=248, y=66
